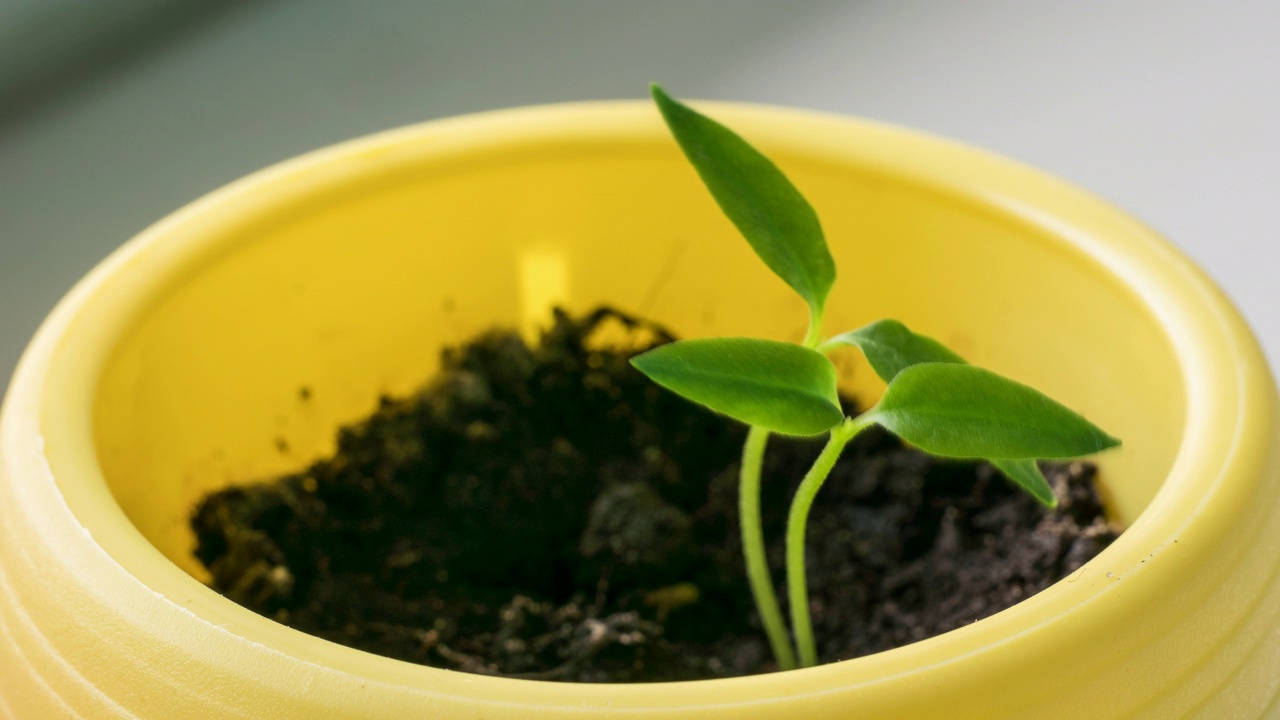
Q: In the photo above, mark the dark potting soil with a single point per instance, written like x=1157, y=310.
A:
x=547, y=512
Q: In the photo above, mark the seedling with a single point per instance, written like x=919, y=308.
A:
x=934, y=399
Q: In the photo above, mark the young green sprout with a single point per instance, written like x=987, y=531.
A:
x=934, y=400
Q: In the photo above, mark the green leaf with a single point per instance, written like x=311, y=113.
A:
x=965, y=411
x=891, y=347
x=767, y=209
x=1026, y=474
x=783, y=387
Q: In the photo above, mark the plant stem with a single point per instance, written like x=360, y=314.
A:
x=753, y=551
x=797, y=520
x=827, y=346
x=814, y=334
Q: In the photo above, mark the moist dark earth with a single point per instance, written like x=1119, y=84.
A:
x=547, y=512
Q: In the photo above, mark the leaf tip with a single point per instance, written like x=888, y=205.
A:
x=640, y=361
x=1107, y=441
x=666, y=104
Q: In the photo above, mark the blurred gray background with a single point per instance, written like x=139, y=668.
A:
x=115, y=112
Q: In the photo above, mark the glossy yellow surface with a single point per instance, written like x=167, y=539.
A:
x=175, y=368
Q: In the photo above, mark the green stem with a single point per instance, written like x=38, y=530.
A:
x=797, y=520
x=753, y=551
x=814, y=334
x=826, y=346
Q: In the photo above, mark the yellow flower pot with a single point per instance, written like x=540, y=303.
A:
x=176, y=366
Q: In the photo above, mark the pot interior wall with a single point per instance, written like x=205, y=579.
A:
x=351, y=291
